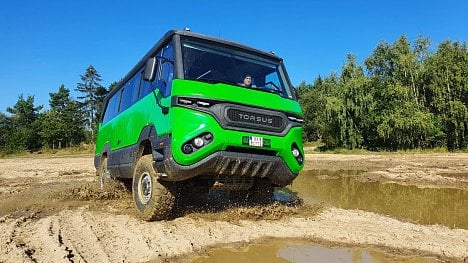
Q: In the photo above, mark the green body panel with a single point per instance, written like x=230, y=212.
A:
x=235, y=94
x=187, y=124
x=201, y=122
x=184, y=124
x=124, y=130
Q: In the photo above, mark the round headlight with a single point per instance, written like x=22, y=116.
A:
x=198, y=142
x=296, y=152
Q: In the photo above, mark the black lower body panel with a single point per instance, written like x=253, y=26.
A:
x=230, y=164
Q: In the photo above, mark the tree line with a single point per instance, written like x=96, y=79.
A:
x=405, y=96
x=68, y=121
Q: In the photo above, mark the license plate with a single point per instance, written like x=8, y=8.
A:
x=255, y=141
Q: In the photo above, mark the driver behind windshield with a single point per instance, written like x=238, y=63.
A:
x=247, y=81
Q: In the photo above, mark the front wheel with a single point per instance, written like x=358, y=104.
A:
x=153, y=198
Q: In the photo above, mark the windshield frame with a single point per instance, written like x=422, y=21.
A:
x=240, y=53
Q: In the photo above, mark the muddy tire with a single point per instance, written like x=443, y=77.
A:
x=105, y=179
x=153, y=198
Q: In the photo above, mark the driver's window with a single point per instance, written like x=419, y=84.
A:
x=166, y=70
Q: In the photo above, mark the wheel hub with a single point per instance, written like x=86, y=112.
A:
x=145, y=188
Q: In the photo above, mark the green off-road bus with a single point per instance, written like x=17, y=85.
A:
x=203, y=113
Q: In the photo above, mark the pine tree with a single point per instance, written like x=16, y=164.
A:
x=63, y=124
x=92, y=95
x=25, y=125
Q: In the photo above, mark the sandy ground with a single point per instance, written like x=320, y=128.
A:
x=51, y=211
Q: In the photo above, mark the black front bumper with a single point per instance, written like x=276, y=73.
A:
x=229, y=164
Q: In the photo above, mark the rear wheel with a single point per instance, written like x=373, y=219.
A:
x=105, y=179
x=153, y=198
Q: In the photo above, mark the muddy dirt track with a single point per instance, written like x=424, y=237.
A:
x=52, y=211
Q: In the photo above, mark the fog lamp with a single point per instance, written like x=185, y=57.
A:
x=187, y=148
x=296, y=152
x=198, y=142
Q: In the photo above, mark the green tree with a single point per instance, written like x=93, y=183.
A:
x=409, y=97
x=5, y=130
x=92, y=95
x=401, y=120
x=112, y=86
x=25, y=125
x=446, y=85
x=63, y=124
x=309, y=98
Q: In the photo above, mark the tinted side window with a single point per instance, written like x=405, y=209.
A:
x=145, y=88
x=112, y=108
x=130, y=92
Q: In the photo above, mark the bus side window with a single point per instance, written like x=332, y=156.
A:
x=112, y=108
x=136, y=82
x=130, y=92
x=145, y=88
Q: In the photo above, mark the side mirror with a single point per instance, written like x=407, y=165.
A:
x=150, y=69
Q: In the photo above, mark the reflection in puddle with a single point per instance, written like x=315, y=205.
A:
x=289, y=251
x=421, y=205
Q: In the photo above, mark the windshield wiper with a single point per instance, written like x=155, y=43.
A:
x=279, y=92
x=216, y=81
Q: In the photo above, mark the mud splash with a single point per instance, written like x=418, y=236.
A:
x=217, y=205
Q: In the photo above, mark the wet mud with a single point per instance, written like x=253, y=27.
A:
x=52, y=209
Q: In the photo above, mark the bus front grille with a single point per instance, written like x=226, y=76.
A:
x=240, y=117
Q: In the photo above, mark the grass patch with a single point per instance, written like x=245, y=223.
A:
x=319, y=147
x=82, y=149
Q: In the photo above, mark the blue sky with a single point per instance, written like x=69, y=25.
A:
x=44, y=44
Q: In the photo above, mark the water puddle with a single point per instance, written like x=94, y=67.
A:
x=279, y=251
x=344, y=189
x=420, y=205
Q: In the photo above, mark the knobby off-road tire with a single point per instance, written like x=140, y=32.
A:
x=153, y=198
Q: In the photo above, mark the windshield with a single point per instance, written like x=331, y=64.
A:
x=221, y=64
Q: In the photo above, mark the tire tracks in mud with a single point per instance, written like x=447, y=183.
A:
x=59, y=238
x=35, y=241
x=81, y=235
x=12, y=243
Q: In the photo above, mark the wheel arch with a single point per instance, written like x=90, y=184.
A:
x=148, y=143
